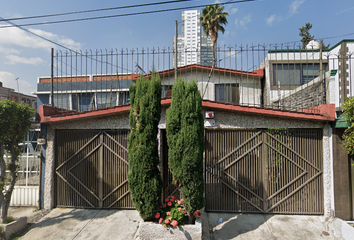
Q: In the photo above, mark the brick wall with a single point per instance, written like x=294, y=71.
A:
x=308, y=96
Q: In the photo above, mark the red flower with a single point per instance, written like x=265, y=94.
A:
x=182, y=200
x=174, y=223
x=166, y=200
x=168, y=213
x=157, y=215
x=164, y=205
x=173, y=198
x=179, y=202
x=184, y=211
x=179, y=209
x=195, y=215
x=198, y=212
x=161, y=219
x=167, y=221
x=164, y=225
x=169, y=204
x=168, y=196
x=170, y=218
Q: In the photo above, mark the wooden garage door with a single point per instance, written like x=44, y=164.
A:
x=264, y=171
x=91, y=169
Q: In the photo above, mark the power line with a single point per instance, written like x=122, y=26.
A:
x=96, y=10
x=123, y=15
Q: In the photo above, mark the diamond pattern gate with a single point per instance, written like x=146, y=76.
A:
x=91, y=169
x=264, y=171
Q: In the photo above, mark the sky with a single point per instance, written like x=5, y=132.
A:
x=27, y=57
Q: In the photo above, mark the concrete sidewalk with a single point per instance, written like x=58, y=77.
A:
x=69, y=223
x=85, y=224
x=260, y=226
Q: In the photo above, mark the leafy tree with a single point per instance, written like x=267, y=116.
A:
x=15, y=121
x=212, y=19
x=144, y=179
x=192, y=131
x=305, y=34
x=173, y=129
x=307, y=37
x=348, y=136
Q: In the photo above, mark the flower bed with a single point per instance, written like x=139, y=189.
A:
x=155, y=231
x=173, y=213
x=171, y=223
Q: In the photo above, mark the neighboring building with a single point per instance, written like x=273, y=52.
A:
x=9, y=93
x=293, y=82
x=194, y=47
x=293, y=75
x=85, y=93
x=225, y=85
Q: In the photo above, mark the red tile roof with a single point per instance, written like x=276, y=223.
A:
x=324, y=112
x=257, y=73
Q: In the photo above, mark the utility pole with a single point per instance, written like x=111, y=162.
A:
x=52, y=78
x=176, y=64
x=324, y=92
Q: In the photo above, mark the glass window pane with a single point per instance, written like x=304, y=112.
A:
x=62, y=101
x=106, y=99
x=227, y=93
x=310, y=72
x=286, y=74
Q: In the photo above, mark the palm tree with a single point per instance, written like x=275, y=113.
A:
x=212, y=19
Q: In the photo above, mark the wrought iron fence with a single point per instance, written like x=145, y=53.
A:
x=278, y=77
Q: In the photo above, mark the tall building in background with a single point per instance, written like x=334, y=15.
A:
x=193, y=46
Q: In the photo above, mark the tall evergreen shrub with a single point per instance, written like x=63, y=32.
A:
x=173, y=130
x=192, y=131
x=144, y=178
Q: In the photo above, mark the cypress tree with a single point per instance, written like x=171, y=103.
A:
x=173, y=130
x=144, y=179
x=192, y=131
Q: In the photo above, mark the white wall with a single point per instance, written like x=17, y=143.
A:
x=250, y=87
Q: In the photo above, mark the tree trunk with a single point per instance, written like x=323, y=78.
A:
x=5, y=195
x=191, y=219
x=4, y=211
x=3, y=214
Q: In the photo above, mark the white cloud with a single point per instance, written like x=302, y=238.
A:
x=244, y=21
x=13, y=59
x=16, y=37
x=9, y=81
x=9, y=50
x=294, y=6
x=234, y=10
x=216, y=1
x=270, y=20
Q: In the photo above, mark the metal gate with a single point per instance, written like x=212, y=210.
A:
x=264, y=171
x=91, y=169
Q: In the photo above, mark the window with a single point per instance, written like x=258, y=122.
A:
x=82, y=101
x=227, y=93
x=62, y=101
x=295, y=74
x=166, y=91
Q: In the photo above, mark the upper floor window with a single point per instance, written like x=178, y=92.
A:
x=295, y=74
x=166, y=91
x=227, y=93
